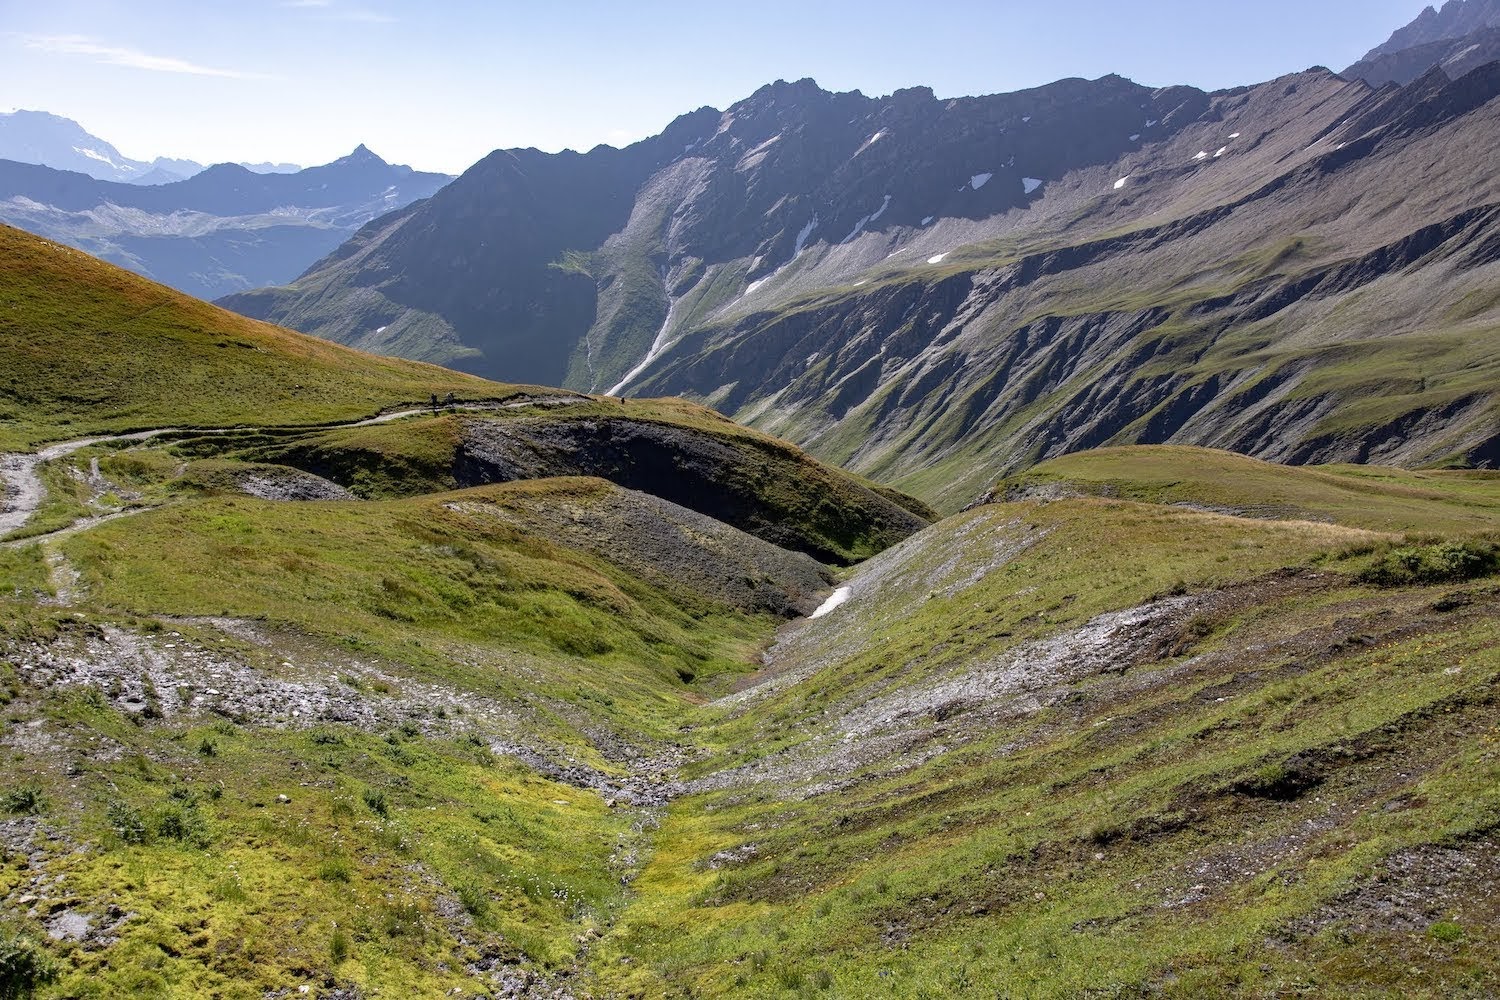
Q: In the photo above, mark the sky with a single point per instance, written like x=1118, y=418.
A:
x=439, y=84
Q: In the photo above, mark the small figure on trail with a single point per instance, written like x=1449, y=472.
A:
x=434, y=403
x=450, y=401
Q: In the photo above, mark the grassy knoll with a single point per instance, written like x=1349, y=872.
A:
x=438, y=571
x=86, y=347
x=1380, y=499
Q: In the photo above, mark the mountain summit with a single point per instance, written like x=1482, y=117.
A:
x=42, y=138
x=1462, y=37
x=1457, y=19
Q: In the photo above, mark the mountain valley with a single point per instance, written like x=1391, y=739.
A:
x=1043, y=545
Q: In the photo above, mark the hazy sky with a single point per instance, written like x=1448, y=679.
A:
x=439, y=83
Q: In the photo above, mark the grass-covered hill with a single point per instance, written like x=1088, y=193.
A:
x=547, y=697
x=361, y=626
x=88, y=348
x=1097, y=746
x=552, y=737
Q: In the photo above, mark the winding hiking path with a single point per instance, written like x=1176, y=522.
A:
x=22, y=491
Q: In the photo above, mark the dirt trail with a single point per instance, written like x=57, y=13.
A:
x=22, y=492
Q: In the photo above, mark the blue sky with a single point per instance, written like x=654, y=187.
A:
x=438, y=84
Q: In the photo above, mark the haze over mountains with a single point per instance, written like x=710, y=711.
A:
x=914, y=287
x=52, y=141
x=222, y=229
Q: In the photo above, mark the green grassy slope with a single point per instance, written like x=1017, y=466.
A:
x=86, y=348
x=1223, y=811
x=1380, y=499
x=1159, y=722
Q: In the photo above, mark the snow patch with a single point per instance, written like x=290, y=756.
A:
x=860, y=226
x=929, y=220
x=1031, y=184
x=872, y=141
x=750, y=288
x=1121, y=182
x=1234, y=135
x=980, y=180
x=839, y=599
x=382, y=329
x=1221, y=152
x=938, y=259
x=1202, y=155
x=766, y=145
x=1152, y=123
x=802, y=237
x=1136, y=137
x=94, y=154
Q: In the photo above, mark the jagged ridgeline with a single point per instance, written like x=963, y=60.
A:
x=934, y=292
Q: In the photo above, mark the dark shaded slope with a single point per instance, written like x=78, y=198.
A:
x=756, y=484
x=1454, y=56
x=653, y=239
x=467, y=277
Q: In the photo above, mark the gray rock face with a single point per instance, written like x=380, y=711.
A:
x=650, y=242
x=908, y=287
x=1456, y=19
x=1456, y=57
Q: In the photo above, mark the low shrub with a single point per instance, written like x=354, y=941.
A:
x=339, y=947
x=1442, y=562
x=25, y=800
x=377, y=802
x=24, y=966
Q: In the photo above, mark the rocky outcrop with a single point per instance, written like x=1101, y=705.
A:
x=1456, y=19
x=758, y=487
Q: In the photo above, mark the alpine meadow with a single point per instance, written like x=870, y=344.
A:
x=1035, y=545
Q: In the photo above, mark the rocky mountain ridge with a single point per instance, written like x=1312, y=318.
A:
x=316, y=686
x=912, y=286
x=1463, y=36
x=1456, y=19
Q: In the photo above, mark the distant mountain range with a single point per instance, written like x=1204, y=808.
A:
x=52, y=141
x=225, y=229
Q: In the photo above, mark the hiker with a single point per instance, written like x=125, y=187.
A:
x=434, y=403
x=450, y=401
